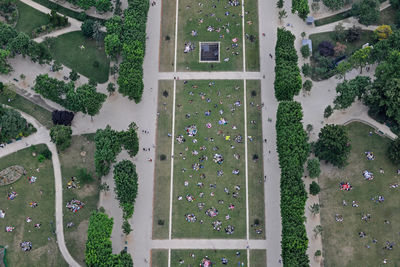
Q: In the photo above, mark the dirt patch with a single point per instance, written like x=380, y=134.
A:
x=86, y=190
x=80, y=234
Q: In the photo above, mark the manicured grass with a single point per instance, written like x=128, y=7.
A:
x=67, y=50
x=163, y=167
x=342, y=245
x=333, y=18
x=167, y=39
x=388, y=17
x=71, y=160
x=44, y=250
x=29, y=18
x=255, y=166
x=252, y=41
x=214, y=255
x=159, y=258
x=258, y=257
x=221, y=96
x=190, y=16
x=42, y=115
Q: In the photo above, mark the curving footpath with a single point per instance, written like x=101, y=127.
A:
x=42, y=136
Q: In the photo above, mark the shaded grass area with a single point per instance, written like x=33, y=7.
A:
x=44, y=250
x=333, y=18
x=42, y=115
x=366, y=37
x=163, y=167
x=342, y=238
x=159, y=258
x=194, y=17
x=258, y=258
x=71, y=161
x=67, y=50
x=221, y=96
x=255, y=160
x=214, y=255
x=252, y=40
x=167, y=40
x=29, y=18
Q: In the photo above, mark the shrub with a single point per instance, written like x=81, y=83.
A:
x=383, y=32
x=163, y=157
x=313, y=168
x=84, y=176
x=340, y=33
x=87, y=28
x=318, y=253
x=328, y=111
x=305, y=51
x=306, y=69
x=279, y=4
x=326, y=48
x=314, y=188
x=126, y=227
x=353, y=34
x=307, y=85
x=61, y=136
x=46, y=153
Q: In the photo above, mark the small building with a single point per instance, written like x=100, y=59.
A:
x=307, y=42
x=310, y=20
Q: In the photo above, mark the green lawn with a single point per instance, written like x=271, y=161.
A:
x=252, y=41
x=159, y=258
x=194, y=257
x=67, y=50
x=42, y=115
x=222, y=96
x=163, y=167
x=255, y=166
x=71, y=160
x=29, y=18
x=258, y=257
x=44, y=246
x=342, y=245
x=167, y=41
x=193, y=17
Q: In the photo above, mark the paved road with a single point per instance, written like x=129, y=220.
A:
x=42, y=137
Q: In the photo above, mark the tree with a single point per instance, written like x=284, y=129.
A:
x=126, y=227
x=114, y=25
x=367, y=11
x=353, y=34
x=325, y=48
x=97, y=34
x=340, y=33
x=73, y=75
x=108, y=146
x=318, y=253
x=104, y=187
x=348, y=91
x=328, y=111
x=130, y=140
x=361, y=57
x=111, y=88
x=61, y=136
x=334, y=4
x=342, y=68
x=57, y=66
x=13, y=125
x=103, y=5
x=307, y=85
x=313, y=168
x=383, y=32
x=279, y=4
x=333, y=145
x=394, y=151
x=62, y=117
x=314, y=208
x=306, y=69
x=90, y=100
x=87, y=28
x=126, y=186
x=339, y=49
x=113, y=45
x=301, y=6
x=305, y=51
x=8, y=92
x=282, y=14
x=5, y=68
x=314, y=188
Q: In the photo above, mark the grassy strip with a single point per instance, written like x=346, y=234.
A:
x=67, y=12
x=167, y=40
x=293, y=150
x=252, y=41
x=29, y=18
x=163, y=167
x=43, y=192
x=255, y=166
x=258, y=257
x=159, y=258
x=215, y=256
x=331, y=19
x=21, y=103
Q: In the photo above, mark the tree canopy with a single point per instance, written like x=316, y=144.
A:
x=367, y=11
x=13, y=125
x=61, y=136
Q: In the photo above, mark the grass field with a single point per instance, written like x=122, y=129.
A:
x=194, y=257
x=198, y=17
x=258, y=258
x=252, y=35
x=341, y=242
x=218, y=97
x=40, y=114
x=163, y=167
x=255, y=160
x=167, y=39
x=67, y=50
x=159, y=258
x=71, y=160
x=29, y=18
x=44, y=246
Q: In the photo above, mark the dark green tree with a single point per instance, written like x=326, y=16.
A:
x=313, y=168
x=394, y=151
x=126, y=227
x=130, y=140
x=87, y=28
x=307, y=85
x=367, y=11
x=305, y=51
x=61, y=136
x=111, y=88
x=348, y=91
x=107, y=147
x=314, y=188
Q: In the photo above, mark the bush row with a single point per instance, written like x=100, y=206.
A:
x=98, y=245
x=287, y=74
x=293, y=150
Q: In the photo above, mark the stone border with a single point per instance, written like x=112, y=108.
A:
x=210, y=61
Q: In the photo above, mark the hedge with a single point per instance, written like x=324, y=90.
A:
x=98, y=245
x=293, y=150
x=287, y=74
